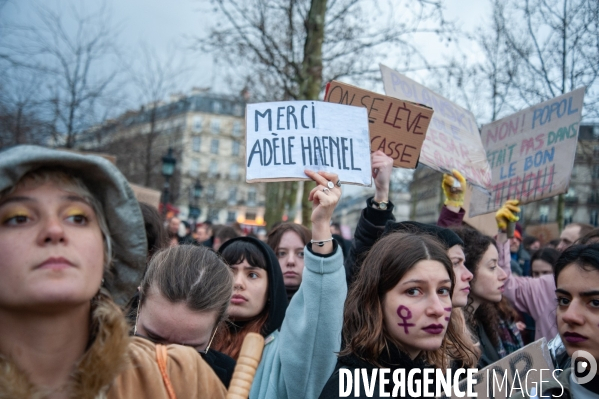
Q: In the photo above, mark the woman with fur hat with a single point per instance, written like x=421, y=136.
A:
x=72, y=239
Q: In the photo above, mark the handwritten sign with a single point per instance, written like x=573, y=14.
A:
x=396, y=127
x=285, y=138
x=526, y=369
x=531, y=152
x=453, y=140
x=543, y=232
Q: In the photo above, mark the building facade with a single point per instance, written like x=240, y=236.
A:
x=206, y=134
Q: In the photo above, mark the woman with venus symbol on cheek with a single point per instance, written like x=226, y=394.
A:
x=401, y=320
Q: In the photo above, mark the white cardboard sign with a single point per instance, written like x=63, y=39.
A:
x=452, y=140
x=531, y=152
x=285, y=138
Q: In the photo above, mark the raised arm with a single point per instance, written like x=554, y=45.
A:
x=373, y=218
x=454, y=189
x=311, y=332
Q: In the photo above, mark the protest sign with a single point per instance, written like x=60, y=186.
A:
x=523, y=369
x=453, y=140
x=285, y=138
x=486, y=224
x=146, y=195
x=531, y=152
x=543, y=232
x=397, y=127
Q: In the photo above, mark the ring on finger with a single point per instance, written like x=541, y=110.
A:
x=330, y=185
x=326, y=190
x=338, y=184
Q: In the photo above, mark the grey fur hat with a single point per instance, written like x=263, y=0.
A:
x=108, y=185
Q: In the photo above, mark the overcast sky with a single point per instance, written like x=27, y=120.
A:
x=166, y=24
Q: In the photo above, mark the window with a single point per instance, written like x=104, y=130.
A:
x=216, y=107
x=594, y=217
x=231, y=216
x=568, y=215
x=252, y=197
x=213, y=168
x=215, y=126
x=235, y=148
x=210, y=192
x=234, y=172
x=214, y=146
x=197, y=123
x=196, y=144
x=543, y=213
x=237, y=129
x=250, y=216
x=195, y=166
x=595, y=171
x=213, y=214
x=232, y=195
x=238, y=110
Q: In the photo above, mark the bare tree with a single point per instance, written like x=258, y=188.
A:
x=285, y=49
x=70, y=52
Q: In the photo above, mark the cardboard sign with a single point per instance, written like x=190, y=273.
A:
x=524, y=369
x=544, y=232
x=453, y=140
x=531, y=152
x=146, y=195
x=486, y=224
x=397, y=127
x=285, y=138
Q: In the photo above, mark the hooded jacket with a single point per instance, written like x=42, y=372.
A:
x=119, y=205
x=302, y=338
x=114, y=365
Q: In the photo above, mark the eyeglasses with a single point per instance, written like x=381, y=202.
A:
x=202, y=352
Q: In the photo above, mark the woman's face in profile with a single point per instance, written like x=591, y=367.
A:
x=578, y=309
x=51, y=245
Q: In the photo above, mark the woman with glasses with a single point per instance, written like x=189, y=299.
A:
x=183, y=298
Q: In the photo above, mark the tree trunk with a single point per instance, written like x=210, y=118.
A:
x=311, y=78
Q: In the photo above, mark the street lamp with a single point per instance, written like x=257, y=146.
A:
x=194, y=210
x=168, y=169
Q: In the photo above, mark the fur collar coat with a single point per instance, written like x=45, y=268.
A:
x=118, y=366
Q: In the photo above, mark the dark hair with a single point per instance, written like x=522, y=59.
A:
x=230, y=338
x=547, y=254
x=385, y=265
x=475, y=246
x=486, y=315
x=274, y=237
x=191, y=274
x=592, y=237
x=155, y=231
x=584, y=256
x=528, y=241
x=553, y=243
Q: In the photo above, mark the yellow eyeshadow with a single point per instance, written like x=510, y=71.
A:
x=74, y=211
x=13, y=213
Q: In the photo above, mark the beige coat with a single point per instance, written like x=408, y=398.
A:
x=117, y=366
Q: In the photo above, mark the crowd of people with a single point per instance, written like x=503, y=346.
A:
x=99, y=297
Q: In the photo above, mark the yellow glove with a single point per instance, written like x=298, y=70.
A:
x=454, y=188
x=507, y=213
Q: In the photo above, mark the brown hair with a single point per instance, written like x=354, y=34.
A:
x=191, y=274
x=274, y=237
x=392, y=256
x=156, y=233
